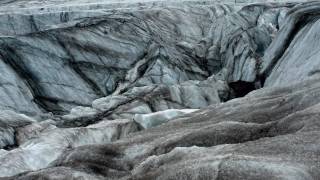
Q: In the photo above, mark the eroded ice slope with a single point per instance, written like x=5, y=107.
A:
x=143, y=90
x=59, y=60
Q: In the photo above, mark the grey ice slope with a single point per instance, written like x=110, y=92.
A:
x=70, y=58
x=149, y=90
